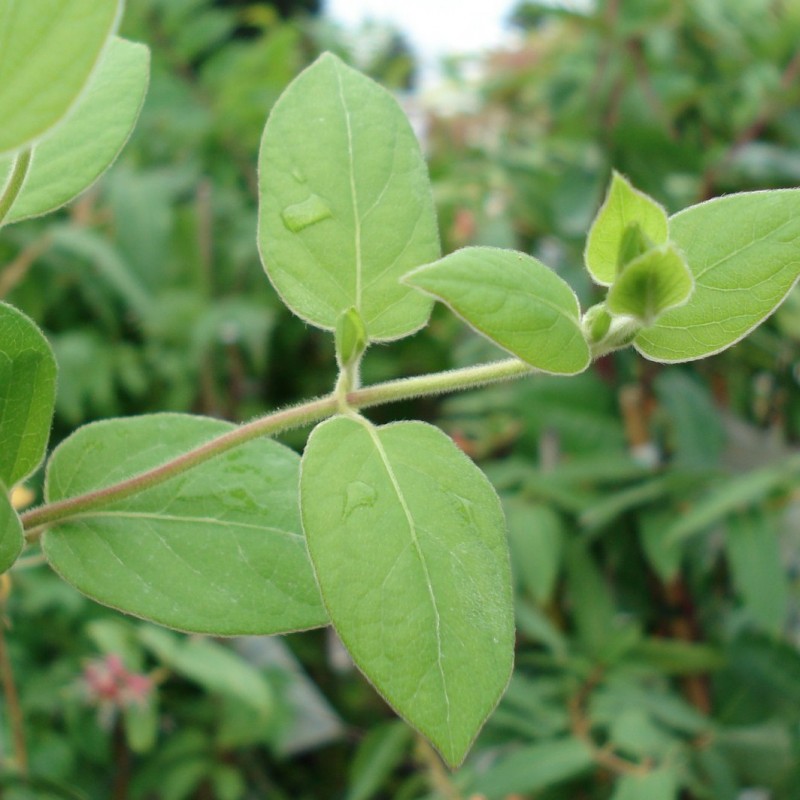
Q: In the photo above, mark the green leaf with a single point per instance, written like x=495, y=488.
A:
x=534, y=767
x=735, y=494
x=607, y=245
x=72, y=157
x=754, y=559
x=407, y=540
x=49, y=49
x=603, y=634
x=217, y=549
x=515, y=301
x=141, y=724
x=536, y=539
x=211, y=665
x=762, y=753
x=663, y=555
x=27, y=395
x=677, y=657
x=742, y=250
x=660, y=784
x=378, y=756
x=345, y=202
x=351, y=338
x=634, y=732
x=650, y=284
x=11, y=537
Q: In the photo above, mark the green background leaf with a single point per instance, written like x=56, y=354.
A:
x=211, y=665
x=650, y=284
x=743, y=252
x=535, y=767
x=536, y=539
x=76, y=153
x=407, y=540
x=381, y=752
x=660, y=784
x=514, y=300
x=752, y=545
x=11, y=537
x=217, y=549
x=622, y=207
x=27, y=394
x=345, y=203
x=48, y=51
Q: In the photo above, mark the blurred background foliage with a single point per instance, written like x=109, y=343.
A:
x=653, y=512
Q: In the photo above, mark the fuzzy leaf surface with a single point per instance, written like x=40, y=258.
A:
x=744, y=253
x=27, y=394
x=73, y=156
x=217, y=549
x=407, y=540
x=48, y=50
x=345, y=202
x=11, y=537
x=515, y=301
x=624, y=206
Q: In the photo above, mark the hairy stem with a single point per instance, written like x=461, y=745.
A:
x=12, y=189
x=277, y=422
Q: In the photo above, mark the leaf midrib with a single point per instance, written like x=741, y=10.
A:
x=90, y=515
x=353, y=193
x=373, y=434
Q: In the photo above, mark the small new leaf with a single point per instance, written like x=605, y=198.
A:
x=627, y=220
x=650, y=284
x=351, y=338
x=515, y=301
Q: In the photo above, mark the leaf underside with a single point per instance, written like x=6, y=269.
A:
x=407, y=540
x=217, y=549
x=515, y=301
x=77, y=152
x=744, y=255
x=345, y=202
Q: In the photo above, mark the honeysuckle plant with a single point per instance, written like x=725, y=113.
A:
x=390, y=534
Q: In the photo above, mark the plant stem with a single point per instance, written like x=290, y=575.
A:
x=18, y=174
x=15, y=718
x=293, y=417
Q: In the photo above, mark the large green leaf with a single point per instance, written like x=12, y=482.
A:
x=11, y=538
x=27, y=394
x=743, y=252
x=75, y=154
x=217, y=549
x=345, y=202
x=625, y=210
x=407, y=540
x=48, y=49
x=514, y=300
